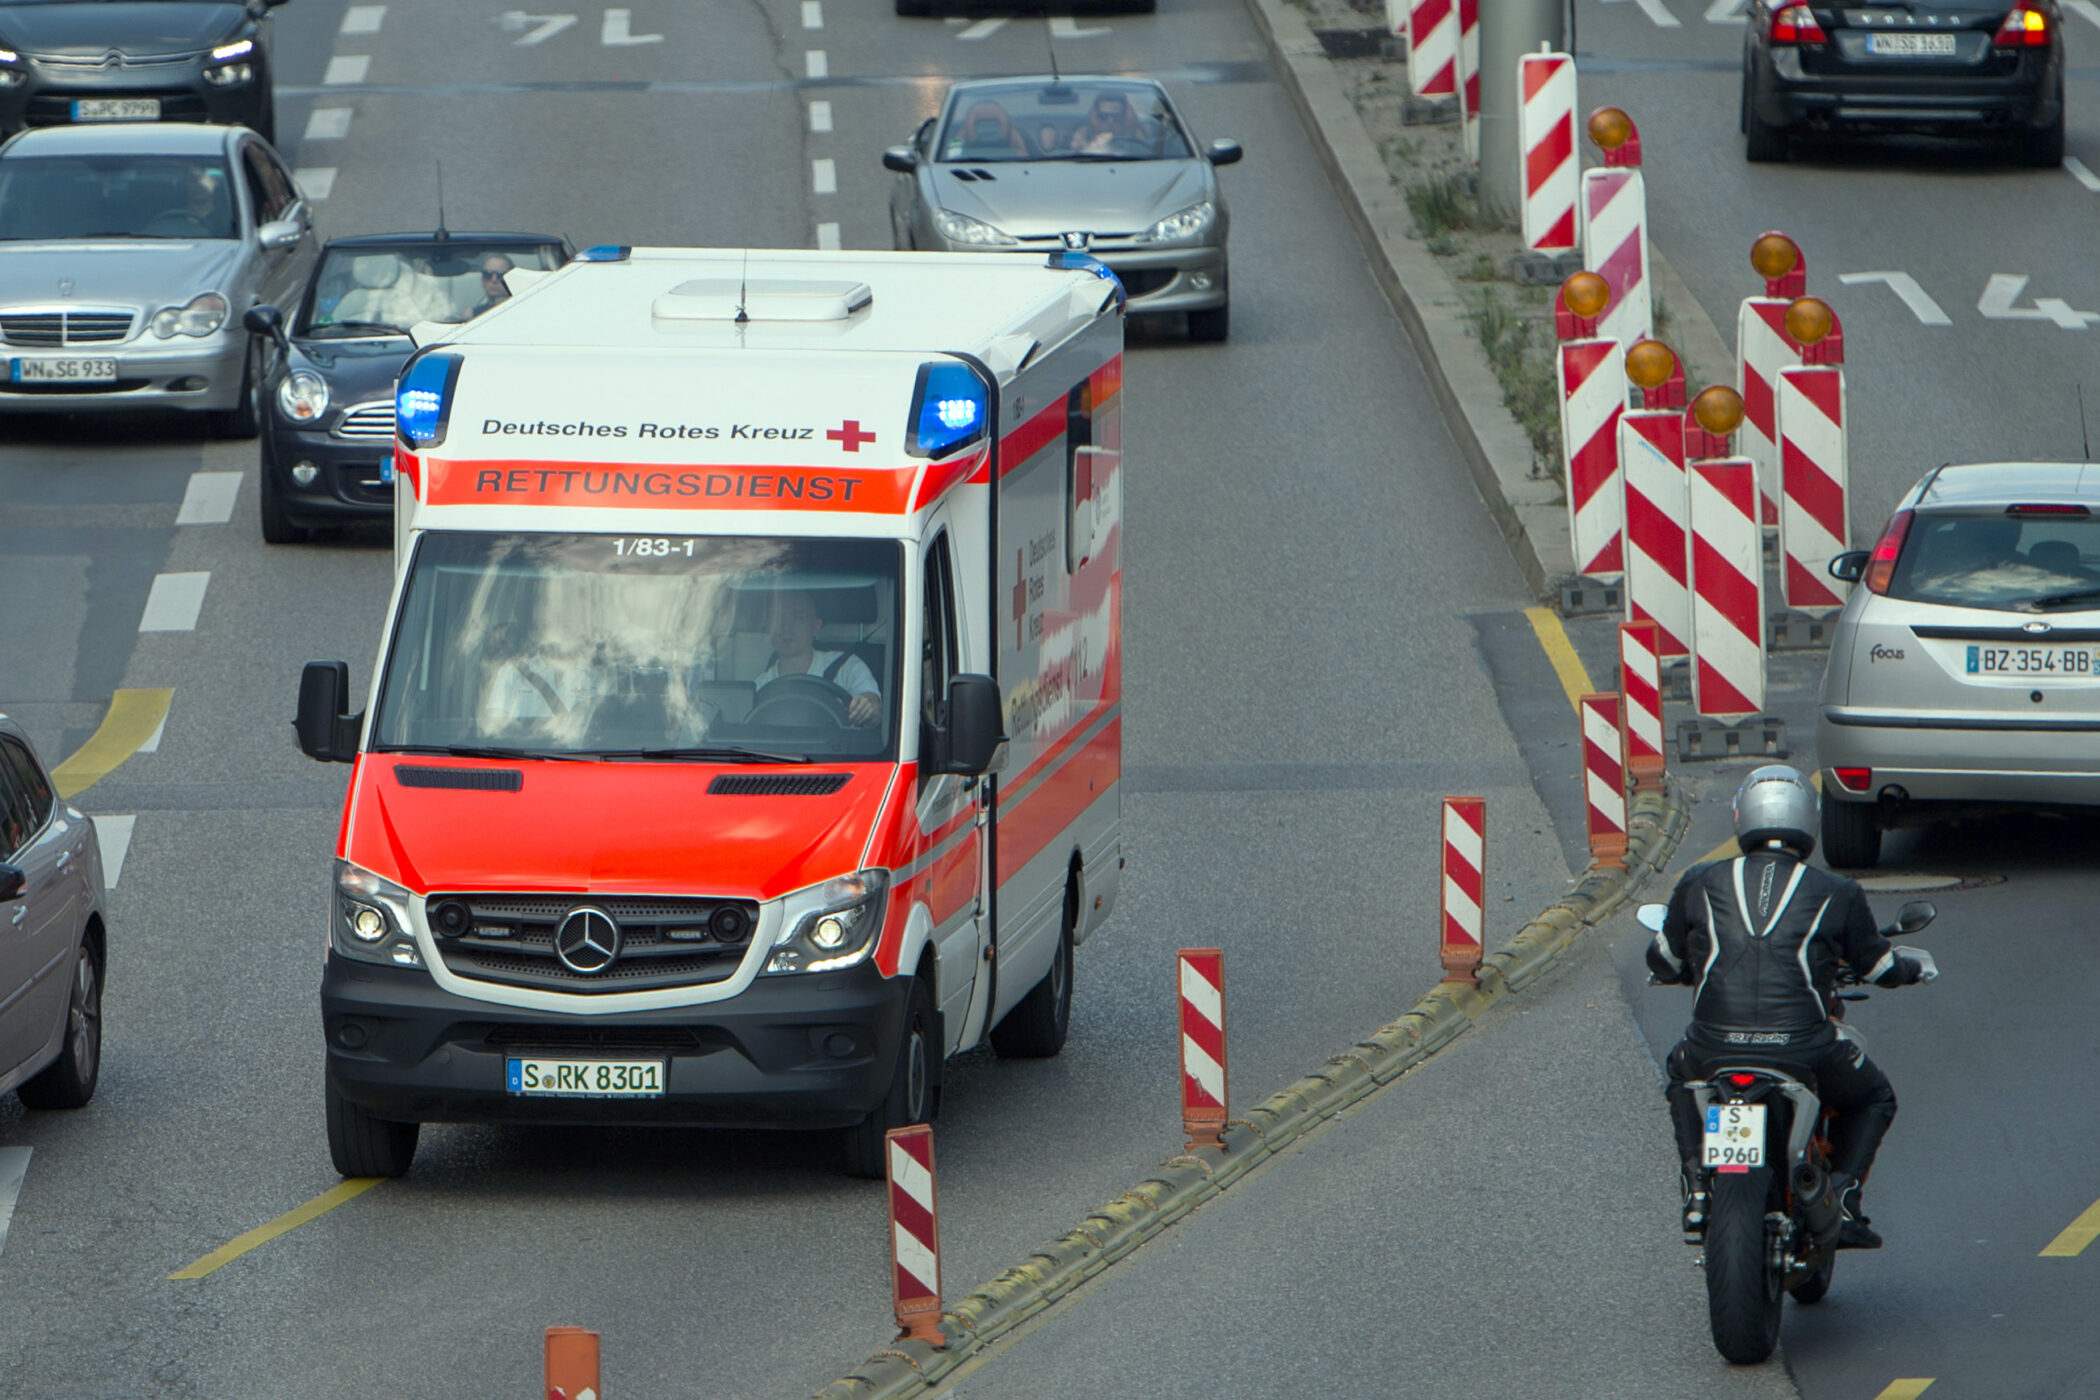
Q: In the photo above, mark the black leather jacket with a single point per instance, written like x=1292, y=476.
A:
x=1761, y=938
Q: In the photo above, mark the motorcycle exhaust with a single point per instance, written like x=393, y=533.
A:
x=1816, y=1200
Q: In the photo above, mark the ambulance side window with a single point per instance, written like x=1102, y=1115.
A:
x=938, y=653
x=1079, y=486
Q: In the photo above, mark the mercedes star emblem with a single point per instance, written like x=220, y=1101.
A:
x=2036, y=627
x=587, y=941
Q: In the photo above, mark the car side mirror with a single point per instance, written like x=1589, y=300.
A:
x=902, y=159
x=1652, y=916
x=327, y=730
x=973, y=741
x=280, y=233
x=1914, y=916
x=1223, y=153
x=1849, y=566
x=267, y=320
x=12, y=882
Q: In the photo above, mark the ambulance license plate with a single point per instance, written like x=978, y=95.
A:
x=1911, y=45
x=1735, y=1136
x=64, y=371
x=587, y=1079
x=386, y=469
x=117, y=109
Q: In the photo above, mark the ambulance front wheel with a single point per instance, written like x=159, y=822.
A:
x=362, y=1145
x=914, y=1094
x=1214, y=324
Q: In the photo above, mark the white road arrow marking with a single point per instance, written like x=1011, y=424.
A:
x=2082, y=173
x=1725, y=11
x=1064, y=27
x=533, y=29
x=2005, y=288
x=1905, y=286
x=983, y=29
x=618, y=31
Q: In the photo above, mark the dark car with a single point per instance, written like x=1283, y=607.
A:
x=328, y=432
x=65, y=61
x=1941, y=67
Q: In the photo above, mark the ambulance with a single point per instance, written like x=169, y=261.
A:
x=746, y=738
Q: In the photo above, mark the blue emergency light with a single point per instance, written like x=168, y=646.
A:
x=423, y=399
x=1069, y=261
x=605, y=252
x=952, y=406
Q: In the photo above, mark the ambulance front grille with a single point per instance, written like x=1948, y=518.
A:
x=666, y=941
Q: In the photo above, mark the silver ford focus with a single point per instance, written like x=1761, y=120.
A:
x=1099, y=165
x=1965, y=669
x=129, y=253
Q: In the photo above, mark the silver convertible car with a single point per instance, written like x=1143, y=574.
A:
x=128, y=255
x=1100, y=165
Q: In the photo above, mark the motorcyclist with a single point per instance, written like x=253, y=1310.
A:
x=1760, y=938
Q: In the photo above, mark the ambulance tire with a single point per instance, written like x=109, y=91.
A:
x=362, y=1145
x=1212, y=325
x=915, y=1089
x=1036, y=1028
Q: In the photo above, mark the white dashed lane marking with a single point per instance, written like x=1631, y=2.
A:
x=316, y=182
x=174, y=602
x=113, y=835
x=815, y=64
x=828, y=237
x=347, y=68
x=363, y=19
x=208, y=499
x=14, y=1165
x=618, y=33
x=2082, y=173
x=824, y=175
x=1065, y=27
x=328, y=124
x=820, y=116
x=812, y=14
x=152, y=744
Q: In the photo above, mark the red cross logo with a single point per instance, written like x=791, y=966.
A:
x=849, y=435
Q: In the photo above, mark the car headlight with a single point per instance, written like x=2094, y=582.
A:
x=832, y=925
x=303, y=396
x=371, y=919
x=228, y=75
x=202, y=315
x=10, y=74
x=1182, y=225
x=961, y=228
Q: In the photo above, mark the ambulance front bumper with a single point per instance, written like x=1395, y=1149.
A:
x=788, y=1052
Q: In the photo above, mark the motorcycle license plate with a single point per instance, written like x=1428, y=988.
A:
x=1735, y=1136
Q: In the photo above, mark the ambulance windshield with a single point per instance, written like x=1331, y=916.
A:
x=645, y=647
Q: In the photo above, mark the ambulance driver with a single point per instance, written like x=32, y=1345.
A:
x=793, y=632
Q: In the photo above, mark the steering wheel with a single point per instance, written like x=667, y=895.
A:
x=798, y=696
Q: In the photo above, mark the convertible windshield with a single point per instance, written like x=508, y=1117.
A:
x=127, y=196
x=1998, y=561
x=365, y=290
x=623, y=646
x=1083, y=119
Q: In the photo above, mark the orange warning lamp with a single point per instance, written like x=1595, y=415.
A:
x=1718, y=410
x=1609, y=128
x=1808, y=320
x=1650, y=363
x=1774, y=256
x=1586, y=294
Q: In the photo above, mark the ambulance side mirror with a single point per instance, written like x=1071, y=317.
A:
x=974, y=739
x=327, y=730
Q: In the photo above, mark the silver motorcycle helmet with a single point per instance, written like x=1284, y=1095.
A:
x=1776, y=804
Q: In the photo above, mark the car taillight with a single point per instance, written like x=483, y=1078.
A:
x=2048, y=508
x=1881, y=565
x=2023, y=28
x=1854, y=779
x=1796, y=24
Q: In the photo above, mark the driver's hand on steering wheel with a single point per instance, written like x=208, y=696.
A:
x=863, y=709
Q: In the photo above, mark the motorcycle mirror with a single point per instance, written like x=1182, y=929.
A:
x=1651, y=916
x=1914, y=916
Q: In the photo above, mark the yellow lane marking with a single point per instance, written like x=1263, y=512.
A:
x=2076, y=1236
x=132, y=718
x=1553, y=640
x=1905, y=1390
x=291, y=1220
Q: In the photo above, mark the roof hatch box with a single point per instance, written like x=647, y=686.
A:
x=763, y=299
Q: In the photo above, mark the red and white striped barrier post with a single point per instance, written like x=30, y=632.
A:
x=1432, y=45
x=1813, y=466
x=1201, y=972
x=1762, y=349
x=1728, y=573
x=1469, y=78
x=1604, y=780
x=1546, y=138
x=1592, y=396
x=1615, y=226
x=1658, y=508
x=572, y=1363
x=1640, y=690
x=1464, y=920
x=915, y=1234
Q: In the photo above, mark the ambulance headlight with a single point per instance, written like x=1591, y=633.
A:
x=423, y=399
x=961, y=228
x=303, y=396
x=371, y=921
x=1182, y=225
x=833, y=925
x=951, y=408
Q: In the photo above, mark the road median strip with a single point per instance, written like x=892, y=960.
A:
x=1185, y=1182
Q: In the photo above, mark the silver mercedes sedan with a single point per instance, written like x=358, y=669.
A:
x=1096, y=164
x=129, y=253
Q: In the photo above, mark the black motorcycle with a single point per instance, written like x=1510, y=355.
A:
x=1773, y=1215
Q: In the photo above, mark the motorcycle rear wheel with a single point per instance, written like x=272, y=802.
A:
x=1743, y=1290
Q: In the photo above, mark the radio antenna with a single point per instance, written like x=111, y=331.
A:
x=442, y=233
x=2085, y=440
x=743, y=290
x=1050, y=43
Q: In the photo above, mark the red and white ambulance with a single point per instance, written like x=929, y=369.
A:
x=746, y=740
